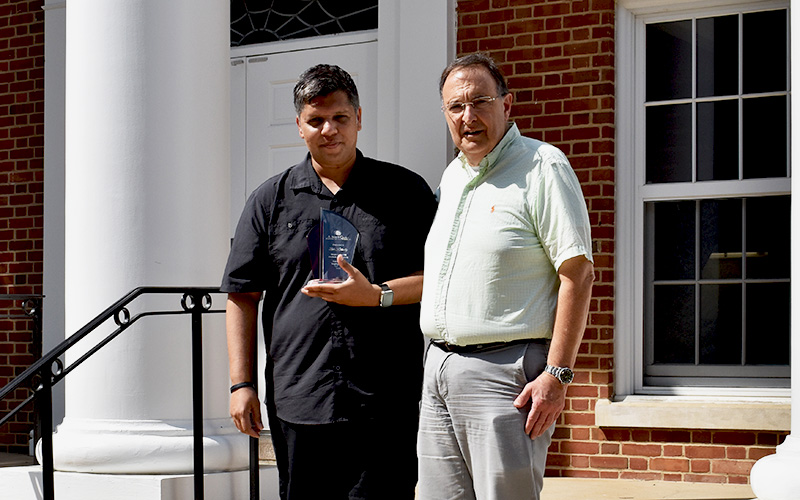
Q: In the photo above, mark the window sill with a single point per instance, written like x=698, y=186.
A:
x=761, y=414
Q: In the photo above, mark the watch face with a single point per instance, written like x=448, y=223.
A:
x=566, y=376
x=387, y=296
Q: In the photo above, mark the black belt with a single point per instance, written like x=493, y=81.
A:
x=489, y=346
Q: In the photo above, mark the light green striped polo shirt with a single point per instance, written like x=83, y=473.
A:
x=496, y=242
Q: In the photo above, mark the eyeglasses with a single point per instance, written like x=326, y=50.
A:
x=478, y=104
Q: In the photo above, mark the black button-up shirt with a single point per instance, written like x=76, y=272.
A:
x=331, y=362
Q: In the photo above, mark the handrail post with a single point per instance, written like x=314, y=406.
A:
x=254, y=479
x=197, y=393
x=46, y=419
x=32, y=307
x=255, y=489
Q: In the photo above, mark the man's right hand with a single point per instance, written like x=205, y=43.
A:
x=246, y=411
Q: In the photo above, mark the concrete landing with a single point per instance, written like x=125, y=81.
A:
x=23, y=482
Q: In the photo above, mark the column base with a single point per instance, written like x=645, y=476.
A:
x=25, y=483
x=145, y=447
x=775, y=477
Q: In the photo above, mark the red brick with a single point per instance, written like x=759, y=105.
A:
x=670, y=436
x=646, y=450
x=603, y=462
x=758, y=453
x=582, y=448
x=609, y=449
x=705, y=452
x=472, y=5
x=669, y=464
x=738, y=438
x=736, y=453
x=731, y=467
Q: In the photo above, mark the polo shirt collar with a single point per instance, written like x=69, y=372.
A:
x=490, y=160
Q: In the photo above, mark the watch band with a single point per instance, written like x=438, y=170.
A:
x=562, y=373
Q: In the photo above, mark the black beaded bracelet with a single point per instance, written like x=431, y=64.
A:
x=236, y=387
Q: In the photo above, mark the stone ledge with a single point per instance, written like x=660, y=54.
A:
x=564, y=488
x=695, y=413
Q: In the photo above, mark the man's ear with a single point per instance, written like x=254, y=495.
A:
x=299, y=128
x=358, y=115
x=508, y=99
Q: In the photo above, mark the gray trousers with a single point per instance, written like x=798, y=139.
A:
x=472, y=443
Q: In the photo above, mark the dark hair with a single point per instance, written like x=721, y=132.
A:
x=322, y=80
x=476, y=59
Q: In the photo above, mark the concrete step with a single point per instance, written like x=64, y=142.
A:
x=560, y=488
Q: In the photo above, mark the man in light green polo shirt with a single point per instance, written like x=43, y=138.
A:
x=508, y=279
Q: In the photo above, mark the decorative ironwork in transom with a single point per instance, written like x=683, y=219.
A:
x=260, y=21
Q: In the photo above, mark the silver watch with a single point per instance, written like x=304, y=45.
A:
x=387, y=295
x=561, y=373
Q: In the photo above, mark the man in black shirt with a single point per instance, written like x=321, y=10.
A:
x=344, y=360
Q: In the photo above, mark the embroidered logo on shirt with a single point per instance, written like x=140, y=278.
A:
x=492, y=208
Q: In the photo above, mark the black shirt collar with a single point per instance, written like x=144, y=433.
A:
x=305, y=177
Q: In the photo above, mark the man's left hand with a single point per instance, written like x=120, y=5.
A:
x=355, y=291
x=546, y=397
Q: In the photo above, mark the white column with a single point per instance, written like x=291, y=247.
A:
x=147, y=197
x=775, y=477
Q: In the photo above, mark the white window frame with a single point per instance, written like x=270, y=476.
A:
x=632, y=191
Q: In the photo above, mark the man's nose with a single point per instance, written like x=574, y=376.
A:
x=469, y=114
x=329, y=128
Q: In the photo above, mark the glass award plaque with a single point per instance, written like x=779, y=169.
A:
x=334, y=236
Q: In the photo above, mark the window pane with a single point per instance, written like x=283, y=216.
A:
x=718, y=56
x=721, y=239
x=717, y=140
x=673, y=328
x=764, y=122
x=668, y=149
x=764, y=51
x=674, y=251
x=721, y=324
x=669, y=60
x=768, y=243
x=768, y=307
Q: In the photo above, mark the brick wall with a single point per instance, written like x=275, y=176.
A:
x=21, y=191
x=558, y=57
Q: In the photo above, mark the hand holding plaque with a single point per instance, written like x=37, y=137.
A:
x=334, y=236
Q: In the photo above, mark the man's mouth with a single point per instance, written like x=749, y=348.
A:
x=472, y=133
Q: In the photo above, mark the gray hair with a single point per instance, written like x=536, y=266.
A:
x=476, y=59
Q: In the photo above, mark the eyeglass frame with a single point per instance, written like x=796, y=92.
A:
x=463, y=105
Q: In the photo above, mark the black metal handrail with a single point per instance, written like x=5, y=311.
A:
x=43, y=374
x=30, y=307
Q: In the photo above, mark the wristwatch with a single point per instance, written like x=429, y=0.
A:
x=387, y=295
x=561, y=373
